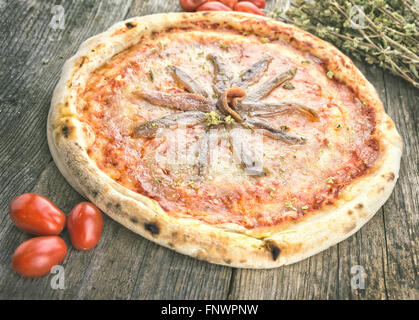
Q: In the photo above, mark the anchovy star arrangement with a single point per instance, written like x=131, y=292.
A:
x=236, y=107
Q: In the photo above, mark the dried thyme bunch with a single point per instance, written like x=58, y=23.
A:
x=380, y=32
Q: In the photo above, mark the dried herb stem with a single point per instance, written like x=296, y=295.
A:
x=388, y=36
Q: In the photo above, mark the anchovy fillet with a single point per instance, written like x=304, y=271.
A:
x=150, y=128
x=185, y=80
x=222, y=79
x=274, y=133
x=180, y=101
x=254, y=73
x=257, y=109
x=266, y=88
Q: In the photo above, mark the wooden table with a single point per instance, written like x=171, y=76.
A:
x=126, y=266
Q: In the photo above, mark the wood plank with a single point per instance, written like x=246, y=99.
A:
x=367, y=248
x=141, y=8
x=401, y=215
x=126, y=266
x=33, y=54
x=164, y=273
x=103, y=272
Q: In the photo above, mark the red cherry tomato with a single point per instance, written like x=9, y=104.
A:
x=35, y=214
x=35, y=257
x=191, y=5
x=229, y=3
x=213, y=6
x=246, y=6
x=85, y=224
x=261, y=4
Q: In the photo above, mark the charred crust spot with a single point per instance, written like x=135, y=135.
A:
x=114, y=206
x=273, y=248
x=152, y=227
x=306, y=44
x=130, y=25
x=174, y=234
x=205, y=13
x=350, y=212
x=275, y=251
x=359, y=206
x=227, y=261
x=65, y=130
x=94, y=193
x=390, y=176
x=82, y=61
x=134, y=220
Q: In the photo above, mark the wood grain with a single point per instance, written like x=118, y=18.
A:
x=126, y=266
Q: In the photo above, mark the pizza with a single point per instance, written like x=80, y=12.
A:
x=228, y=137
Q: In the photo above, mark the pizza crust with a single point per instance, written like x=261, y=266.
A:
x=230, y=245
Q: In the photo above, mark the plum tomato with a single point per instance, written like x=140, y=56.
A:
x=35, y=257
x=213, y=6
x=191, y=5
x=246, y=6
x=229, y=3
x=85, y=224
x=35, y=214
x=261, y=4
